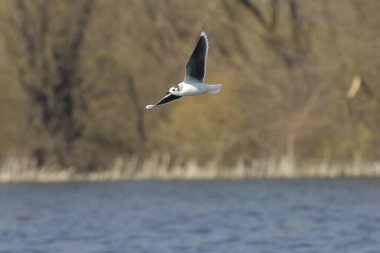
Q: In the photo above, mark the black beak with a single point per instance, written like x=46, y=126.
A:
x=167, y=93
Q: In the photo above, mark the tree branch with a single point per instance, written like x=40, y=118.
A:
x=138, y=109
x=270, y=25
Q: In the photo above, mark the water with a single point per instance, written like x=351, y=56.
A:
x=224, y=216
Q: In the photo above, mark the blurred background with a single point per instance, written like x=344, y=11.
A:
x=300, y=81
x=300, y=98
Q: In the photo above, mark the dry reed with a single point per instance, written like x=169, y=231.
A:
x=162, y=167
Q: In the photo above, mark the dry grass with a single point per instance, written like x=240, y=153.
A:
x=161, y=167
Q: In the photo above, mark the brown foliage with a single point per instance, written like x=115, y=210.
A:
x=88, y=68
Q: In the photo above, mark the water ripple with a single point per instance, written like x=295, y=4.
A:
x=163, y=217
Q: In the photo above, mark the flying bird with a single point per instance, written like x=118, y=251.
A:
x=195, y=72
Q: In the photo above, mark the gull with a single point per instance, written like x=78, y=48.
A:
x=195, y=72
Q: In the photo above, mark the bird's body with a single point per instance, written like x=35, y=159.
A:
x=193, y=83
x=194, y=88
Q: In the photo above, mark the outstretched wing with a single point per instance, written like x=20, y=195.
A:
x=196, y=66
x=165, y=100
x=168, y=98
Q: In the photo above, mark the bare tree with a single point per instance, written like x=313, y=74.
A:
x=270, y=25
x=49, y=42
x=139, y=111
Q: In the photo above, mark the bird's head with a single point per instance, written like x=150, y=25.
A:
x=174, y=90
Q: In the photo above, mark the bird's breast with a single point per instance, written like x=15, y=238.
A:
x=193, y=89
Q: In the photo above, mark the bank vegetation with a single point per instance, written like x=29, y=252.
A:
x=300, y=85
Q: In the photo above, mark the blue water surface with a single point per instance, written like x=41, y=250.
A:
x=206, y=217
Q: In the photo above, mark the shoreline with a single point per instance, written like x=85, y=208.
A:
x=157, y=168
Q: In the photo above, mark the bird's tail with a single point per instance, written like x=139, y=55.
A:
x=215, y=88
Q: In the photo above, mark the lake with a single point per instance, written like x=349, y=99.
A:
x=196, y=216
